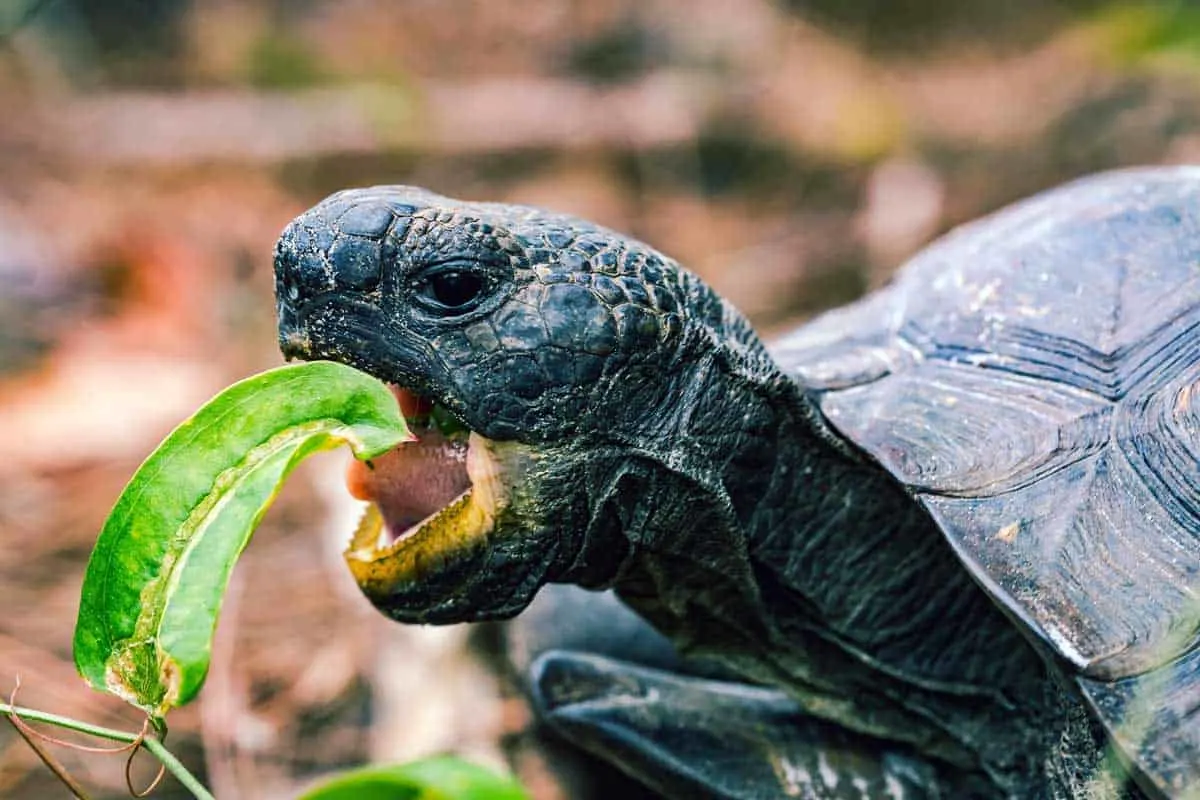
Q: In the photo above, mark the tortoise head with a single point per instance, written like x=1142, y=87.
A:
x=574, y=356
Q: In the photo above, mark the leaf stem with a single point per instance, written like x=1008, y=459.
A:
x=52, y=764
x=33, y=715
x=176, y=768
x=156, y=748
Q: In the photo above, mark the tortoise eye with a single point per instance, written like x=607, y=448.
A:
x=453, y=290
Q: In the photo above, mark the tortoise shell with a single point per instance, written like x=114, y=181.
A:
x=1034, y=380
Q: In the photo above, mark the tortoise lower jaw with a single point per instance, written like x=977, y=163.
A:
x=385, y=565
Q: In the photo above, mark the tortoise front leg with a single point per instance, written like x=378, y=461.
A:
x=690, y=737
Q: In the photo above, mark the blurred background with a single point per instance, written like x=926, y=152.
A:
x=792, y=153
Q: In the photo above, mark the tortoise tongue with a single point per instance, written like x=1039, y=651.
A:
x=416, y=479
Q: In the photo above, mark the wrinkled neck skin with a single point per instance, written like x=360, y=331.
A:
x=760, y=539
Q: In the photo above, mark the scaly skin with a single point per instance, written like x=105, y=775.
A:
x=674, y=460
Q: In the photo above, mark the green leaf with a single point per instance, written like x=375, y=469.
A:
x=441, y=778
x=157, y=575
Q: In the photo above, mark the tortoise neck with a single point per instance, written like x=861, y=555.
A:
x=783, y=552
x=872, y=617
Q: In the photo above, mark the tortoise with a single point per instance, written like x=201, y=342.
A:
x=941, y=542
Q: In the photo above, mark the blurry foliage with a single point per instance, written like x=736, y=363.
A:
x=617, y=54
x=1162, y=33
x=16, y=15
x=134, y=28
x=1130, y=30
x=719, y=162
x=132, y=42
x=724, y=161
x=832, y=287
x=1116, y=125
x=911, y=25
x=279, y=61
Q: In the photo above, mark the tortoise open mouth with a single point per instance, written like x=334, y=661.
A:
x=431, y=501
